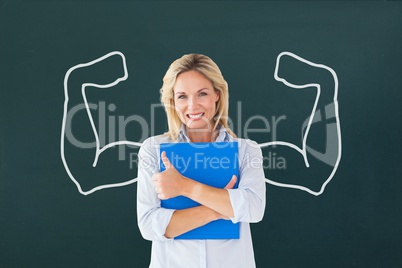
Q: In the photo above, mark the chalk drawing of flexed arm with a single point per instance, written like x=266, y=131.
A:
x=76, y=81
x=327, y=103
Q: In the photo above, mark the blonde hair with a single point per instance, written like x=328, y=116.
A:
x=205, y=66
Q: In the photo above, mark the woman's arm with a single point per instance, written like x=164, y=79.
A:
x=188, y=219
x=214, y=198
x=248, y=200
x=155, y=222
x=247, y=203
x=170, y=183
x=152, y=219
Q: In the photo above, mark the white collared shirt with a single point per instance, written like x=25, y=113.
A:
x=248, y=203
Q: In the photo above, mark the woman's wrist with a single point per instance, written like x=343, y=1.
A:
x=189, y=187
x=209, y=214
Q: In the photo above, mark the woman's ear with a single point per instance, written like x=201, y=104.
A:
x=218, y=95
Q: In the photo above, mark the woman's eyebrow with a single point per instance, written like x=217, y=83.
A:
x=180, y=92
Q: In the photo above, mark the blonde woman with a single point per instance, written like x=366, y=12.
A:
x=195, y=97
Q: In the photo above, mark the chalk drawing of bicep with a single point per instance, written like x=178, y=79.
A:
x=333, y=152
x=65, y=122
x=332, y=156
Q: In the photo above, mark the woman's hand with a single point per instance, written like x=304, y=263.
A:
x=170, y=182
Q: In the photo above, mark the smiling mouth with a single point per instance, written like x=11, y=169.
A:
x=195, y=116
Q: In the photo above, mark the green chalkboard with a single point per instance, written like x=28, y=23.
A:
x=317, y=84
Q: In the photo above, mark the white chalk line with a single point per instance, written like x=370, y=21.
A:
x=98, y=149
x=302, y=150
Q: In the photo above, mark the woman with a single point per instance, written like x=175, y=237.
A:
x=195, y=97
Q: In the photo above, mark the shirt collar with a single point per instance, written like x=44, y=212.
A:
x=222, y=136
x=182, y=135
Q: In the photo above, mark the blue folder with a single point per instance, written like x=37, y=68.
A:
x=213, y=164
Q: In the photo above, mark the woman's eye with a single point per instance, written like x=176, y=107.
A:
x=181, y=97
x=203, y=94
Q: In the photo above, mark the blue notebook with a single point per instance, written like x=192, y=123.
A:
x=213, y=164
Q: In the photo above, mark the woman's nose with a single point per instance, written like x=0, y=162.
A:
x=192, y=102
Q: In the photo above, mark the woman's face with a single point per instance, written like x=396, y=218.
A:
x=195, y=100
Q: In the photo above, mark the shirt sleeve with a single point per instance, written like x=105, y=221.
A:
x=152, y=218
x=248, y=200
